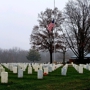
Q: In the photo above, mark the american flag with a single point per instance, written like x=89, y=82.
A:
x=50, y=26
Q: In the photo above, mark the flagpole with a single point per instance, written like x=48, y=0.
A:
x=54, y=4
x=54, y=32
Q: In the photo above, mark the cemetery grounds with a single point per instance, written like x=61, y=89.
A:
x=53, y=81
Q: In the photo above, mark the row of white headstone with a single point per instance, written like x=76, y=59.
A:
x=78, y=68
x=47, y=69
x=87, y=66
x=19, y=68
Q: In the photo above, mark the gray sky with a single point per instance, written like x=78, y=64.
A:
x=17, y=18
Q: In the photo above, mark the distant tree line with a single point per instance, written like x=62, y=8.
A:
x=13, y=55
x=17, y=55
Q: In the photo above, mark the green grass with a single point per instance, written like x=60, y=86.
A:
x=54, y=81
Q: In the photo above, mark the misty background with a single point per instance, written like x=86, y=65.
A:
x=18, y=55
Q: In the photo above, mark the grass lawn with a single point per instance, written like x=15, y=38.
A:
x=54, y=81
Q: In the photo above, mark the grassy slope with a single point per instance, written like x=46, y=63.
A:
x=54, y=81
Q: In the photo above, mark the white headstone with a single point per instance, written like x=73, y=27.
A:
x=77, y=67
x=11, y=67
x=4, y=77
x=46, y=70
x=80, y=69
x=14, y=69
x=40, y=74
x=20, y=73
x=53, y=67
x=85, y=66
x=49, y=68
x=89, y=67
x=29, y=70
x=36, y=68
x=63, y=71
x=1, y=70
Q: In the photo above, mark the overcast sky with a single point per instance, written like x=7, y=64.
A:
x=17, y=18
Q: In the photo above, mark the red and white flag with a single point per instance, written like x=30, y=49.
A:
x=50, y=26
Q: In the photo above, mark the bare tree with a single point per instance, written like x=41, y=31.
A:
x=41, y=38
x=62, y=45
x=77, y=22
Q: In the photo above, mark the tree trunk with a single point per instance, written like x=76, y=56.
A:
x=50, y=56
x=63, y=57
x=81, y=56
x=50, y=50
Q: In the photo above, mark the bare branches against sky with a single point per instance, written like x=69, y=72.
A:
x=17, y=18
